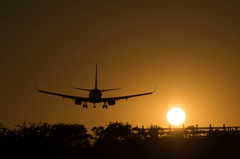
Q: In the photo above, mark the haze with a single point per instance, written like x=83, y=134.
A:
x=191, y=49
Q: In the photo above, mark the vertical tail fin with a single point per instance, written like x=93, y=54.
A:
x=96, y=78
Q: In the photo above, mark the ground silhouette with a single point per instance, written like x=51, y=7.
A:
x=116, y=140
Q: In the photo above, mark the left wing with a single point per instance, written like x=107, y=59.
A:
x=64, y=96
x=125, y=97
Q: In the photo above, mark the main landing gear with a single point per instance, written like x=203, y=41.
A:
x=85, y=105
x=104, y=106
x=94, y=106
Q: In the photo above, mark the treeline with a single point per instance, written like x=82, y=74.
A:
x=115, y=141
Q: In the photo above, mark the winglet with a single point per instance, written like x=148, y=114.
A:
x=155, y=88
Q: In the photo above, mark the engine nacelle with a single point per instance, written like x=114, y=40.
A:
x=78, y=102
x=111, y=102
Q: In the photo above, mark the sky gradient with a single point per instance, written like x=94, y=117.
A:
x=189, y=48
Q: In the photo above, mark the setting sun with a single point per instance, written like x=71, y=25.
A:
x=176, y=116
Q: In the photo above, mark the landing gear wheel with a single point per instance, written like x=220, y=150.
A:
x=104, y=106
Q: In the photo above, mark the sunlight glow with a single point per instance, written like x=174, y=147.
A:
x=176, y=116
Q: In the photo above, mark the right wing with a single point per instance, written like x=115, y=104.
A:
x=64, y=96
x=125, y=97
x=128, y=96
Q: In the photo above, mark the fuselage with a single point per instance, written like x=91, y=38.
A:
x=95, y=96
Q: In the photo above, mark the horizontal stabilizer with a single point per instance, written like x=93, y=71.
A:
x=110, y=89
x=81, y=89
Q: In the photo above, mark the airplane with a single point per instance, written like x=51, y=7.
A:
x=95, y=96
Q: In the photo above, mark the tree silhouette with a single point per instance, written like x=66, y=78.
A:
x=116, y=140
x=45, y=140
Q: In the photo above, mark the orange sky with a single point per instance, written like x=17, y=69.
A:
x=191, y=49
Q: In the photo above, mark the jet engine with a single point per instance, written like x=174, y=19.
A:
x=78, y=102
x=111, y=102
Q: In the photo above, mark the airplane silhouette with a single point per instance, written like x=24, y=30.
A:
x=95, y=96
